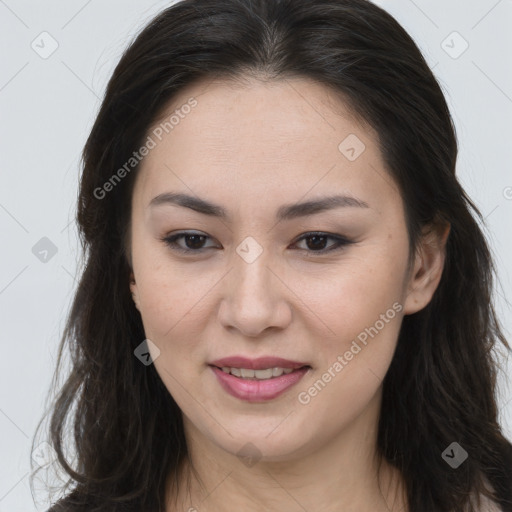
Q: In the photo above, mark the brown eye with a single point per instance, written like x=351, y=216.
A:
x=194, y=242
x=316, y=242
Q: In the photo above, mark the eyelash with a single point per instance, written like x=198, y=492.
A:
x=341, y=242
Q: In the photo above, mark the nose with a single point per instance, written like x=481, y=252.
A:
x=254, y=298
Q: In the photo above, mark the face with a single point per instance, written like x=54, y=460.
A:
x=274, y=269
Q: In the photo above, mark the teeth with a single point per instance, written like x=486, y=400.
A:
x=268, y=373
x=277, y=372
x=263, y=374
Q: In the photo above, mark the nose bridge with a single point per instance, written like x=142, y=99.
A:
x=251, y=276
x=251, y=301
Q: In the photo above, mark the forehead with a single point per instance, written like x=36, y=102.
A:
x=246, y=138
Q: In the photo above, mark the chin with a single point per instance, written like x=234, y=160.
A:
x=260, y=443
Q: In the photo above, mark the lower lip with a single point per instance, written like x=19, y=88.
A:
x=258, y=390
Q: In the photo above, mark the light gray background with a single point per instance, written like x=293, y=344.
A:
x=48, y=106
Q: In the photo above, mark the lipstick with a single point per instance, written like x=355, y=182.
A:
x=257, y=380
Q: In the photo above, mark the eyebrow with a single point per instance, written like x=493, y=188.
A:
x=285, y=212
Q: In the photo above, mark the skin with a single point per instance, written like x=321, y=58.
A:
x=252, y=147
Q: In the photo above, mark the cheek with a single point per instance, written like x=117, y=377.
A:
x=174, y=318
x=353, y=295
x=364, y=329
x=362, y=306
x=354, y=362
x=169, y=293
x=171, y=305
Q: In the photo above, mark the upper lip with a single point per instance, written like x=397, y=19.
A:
x=260, y=363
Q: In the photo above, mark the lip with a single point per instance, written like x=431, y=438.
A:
x=260, y=363
x=251, y=390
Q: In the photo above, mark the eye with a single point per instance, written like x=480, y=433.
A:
x=319, y=239
x=194, y=242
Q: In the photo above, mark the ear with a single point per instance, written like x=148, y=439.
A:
x=134, y=290
x=427, y=267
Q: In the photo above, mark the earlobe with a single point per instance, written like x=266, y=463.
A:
x=428, y=267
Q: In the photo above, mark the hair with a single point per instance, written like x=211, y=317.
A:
x=441, y=387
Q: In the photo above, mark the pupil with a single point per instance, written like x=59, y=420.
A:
x=318, y=242
x=315, y=244
x=195, y=238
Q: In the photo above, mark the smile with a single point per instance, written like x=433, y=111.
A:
x=246, y=373
x=258, y=385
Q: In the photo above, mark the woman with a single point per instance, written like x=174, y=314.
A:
x=286, y=301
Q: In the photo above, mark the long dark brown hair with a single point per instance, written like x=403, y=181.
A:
x=116, y=430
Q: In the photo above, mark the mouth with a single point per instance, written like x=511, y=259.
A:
x=257, y=380
x=264, y=374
